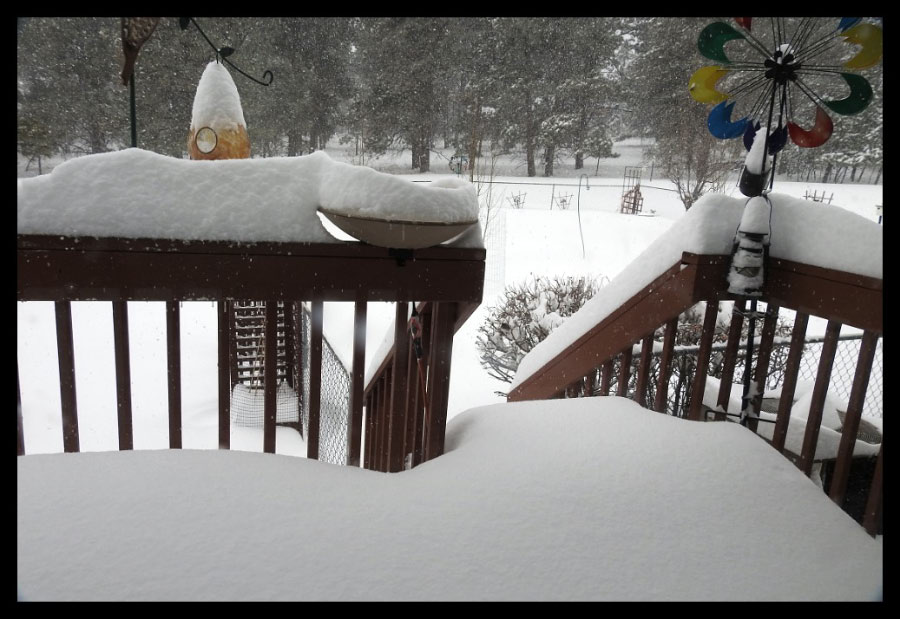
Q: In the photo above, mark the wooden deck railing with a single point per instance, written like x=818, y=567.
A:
x=63, y=269
x=585, y=367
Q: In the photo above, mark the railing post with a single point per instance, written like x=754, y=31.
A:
x=640, y=389
x=730, y=358
x=873, y=504
x=315, y=378
x=385, y=418
x=173, y=363
x=624, y=371
x=224, y=313
x=762, y=363
x=413, y=407
x=817, y=404
x=426, y=316
x=123, y=374
x=665, y=366
x=399, y=388
x=20, y=446
x=66, y=352
x=792, y=367
x=444, y=315
x=367, y=437
x=851, y=419
x=270, y=377
x=605, y=379
x=356, y=383
x=706, y=337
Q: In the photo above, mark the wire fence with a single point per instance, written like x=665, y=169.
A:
x=684, y=367
x=334, y=407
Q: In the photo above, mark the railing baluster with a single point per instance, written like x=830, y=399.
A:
x=665, y=366
x=225, y=314
x=851, y=419
x=698, y=386
x=66, y=352
x=624, y=371
x=20, y=446
x=399, y=388
x=316, y=316
x=640, y=389
x=123, y=374
x=384, y=430
x=443, y=317
x=876, y=496
x=412, y=403
x=791, y=369
x=730, y=358
x=173, y=358
x=423, y=414
x=297, y=357
x=270, y=377
x=607, y=370
x=357, y=377
x=762, y=362
x=817, y=404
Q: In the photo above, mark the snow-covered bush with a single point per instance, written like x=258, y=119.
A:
x=527, y=313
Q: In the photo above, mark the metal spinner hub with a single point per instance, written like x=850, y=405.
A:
x=781, y=67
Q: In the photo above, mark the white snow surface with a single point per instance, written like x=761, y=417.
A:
x=135, y=193
x=532, y=501
x=217, y=104
x=801, y=231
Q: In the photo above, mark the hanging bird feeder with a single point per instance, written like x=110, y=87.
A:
x=218, y=130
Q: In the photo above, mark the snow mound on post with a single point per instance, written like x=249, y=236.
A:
x=135, y=193
x=801, y=231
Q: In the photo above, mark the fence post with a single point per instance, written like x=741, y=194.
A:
x=173, y=367
x=851, y=420
x=225, y=313
x=315, y=378
x=399, y=389
x=444, y=315
x=792, y=367
x=823, y=376
x=665, y=366
x=706, y=336
x=762, y=363
x=66, y=352
x=356, y=382
x=730, y=359
x=123, y=374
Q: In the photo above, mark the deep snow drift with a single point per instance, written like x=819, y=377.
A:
x=587, y=499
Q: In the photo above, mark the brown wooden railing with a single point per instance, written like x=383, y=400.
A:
x=63, y=269
x=406, y=400
x=585, y=367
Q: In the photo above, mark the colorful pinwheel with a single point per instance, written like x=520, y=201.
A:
x=779, y=68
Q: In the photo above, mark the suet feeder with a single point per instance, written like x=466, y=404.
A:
x=218, y=130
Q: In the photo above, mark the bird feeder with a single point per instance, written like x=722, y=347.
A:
x=218, y=130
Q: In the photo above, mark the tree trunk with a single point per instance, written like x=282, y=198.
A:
x=579, y=159
x=827, y=173
x=294, y=143
x=549, y=155
x=529, y=136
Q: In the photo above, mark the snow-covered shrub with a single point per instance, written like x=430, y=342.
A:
x=527, y=313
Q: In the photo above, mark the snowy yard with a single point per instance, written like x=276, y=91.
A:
x=587, y=499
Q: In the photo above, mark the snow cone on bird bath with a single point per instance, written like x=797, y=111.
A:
x=218, y=130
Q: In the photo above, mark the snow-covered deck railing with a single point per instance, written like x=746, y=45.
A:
x=579, y=359
x=65, y=269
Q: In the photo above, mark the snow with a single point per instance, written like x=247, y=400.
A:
x=135, y=193
x=801, y=231
x=532, y=501
x=217, y=104
x=756, y=157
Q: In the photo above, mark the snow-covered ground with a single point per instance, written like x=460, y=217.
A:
x=589, y=499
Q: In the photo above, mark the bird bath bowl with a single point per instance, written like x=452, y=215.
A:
x=396, y=234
